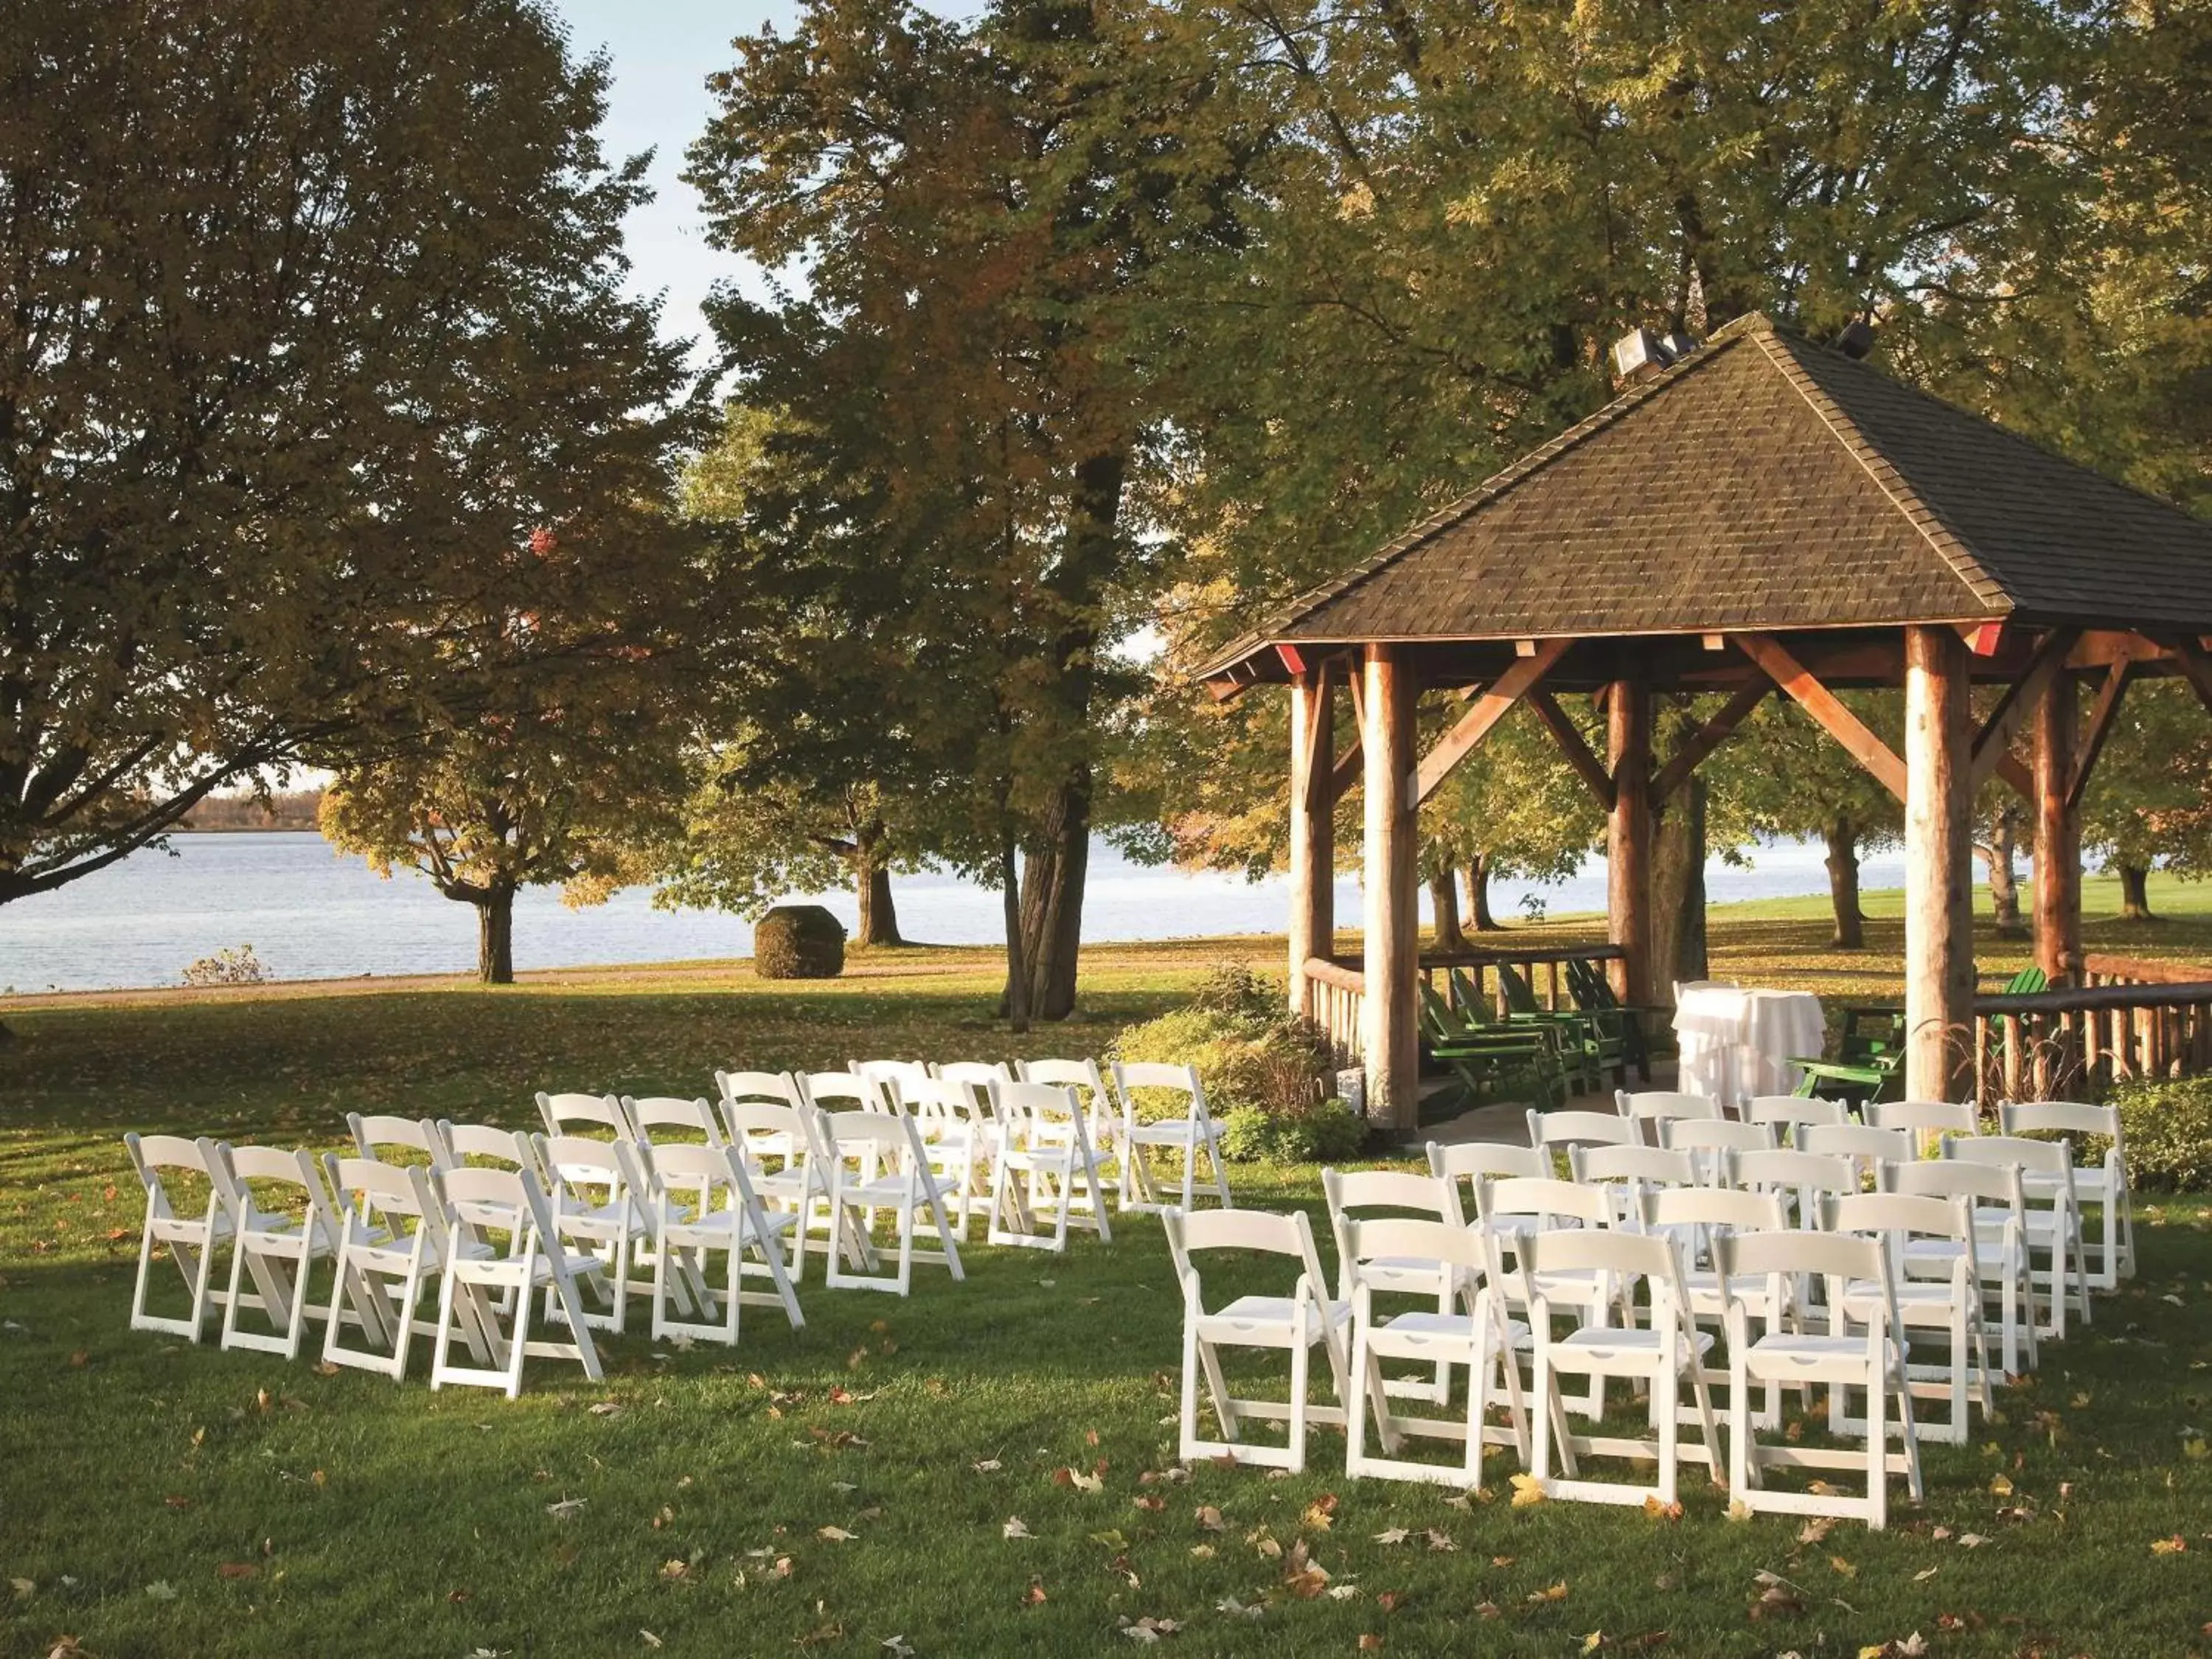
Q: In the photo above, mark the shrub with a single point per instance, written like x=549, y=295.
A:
x=1321, y=1133
x=2168, y=1130
x=798, y=941
x=1250, y=1053
x=233, y=966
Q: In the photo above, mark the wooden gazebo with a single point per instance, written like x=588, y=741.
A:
x=1766, y=514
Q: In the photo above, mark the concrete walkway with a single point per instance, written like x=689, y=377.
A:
x=1508, y=1120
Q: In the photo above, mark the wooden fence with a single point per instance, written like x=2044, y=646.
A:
x=2128, y=1018
x=1336, y=989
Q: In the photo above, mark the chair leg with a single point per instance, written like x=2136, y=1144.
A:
x=1301, y=1364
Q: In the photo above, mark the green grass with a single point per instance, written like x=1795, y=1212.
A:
x=379, y=1518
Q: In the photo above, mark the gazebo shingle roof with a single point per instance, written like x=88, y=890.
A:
x=1764, y=482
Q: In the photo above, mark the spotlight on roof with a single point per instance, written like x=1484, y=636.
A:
x=1640, y=354
x=1856, y=339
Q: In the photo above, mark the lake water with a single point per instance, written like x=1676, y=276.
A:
x=313, y=912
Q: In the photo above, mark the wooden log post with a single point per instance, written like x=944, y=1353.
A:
x=1628, y=839
x=1392, y=942
x=1313, y=829
x=1939, y=941
x=2058, y=836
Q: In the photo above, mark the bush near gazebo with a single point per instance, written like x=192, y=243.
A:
x=798, y=941
x=2168, y=1127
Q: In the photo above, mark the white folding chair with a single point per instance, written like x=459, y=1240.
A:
x=503, y=1149
x=844, y=1091
x=278, y=1247
x=2104, y=1183
x=600, y=1117
x=877, y=1161
x=2054, y=1216
x=1467, y=1329
x=1190, y=1134
x=189, y=1239
x=1758, y=1267
x=1925, y=1121
x=477, y=1291
x=1706, y=1138
x=377, y=1137
x=1623, y=1172
x=891, y=1076
x=1800, y=1179
x=1647, y=1109
x=1559, y=1133
x=1101, y=1116
x=1511, y=1210
x=1358, y=1194
x=1046, y=1172
x=2001, y=1262
x=1696, y=1216
x=596, y=1199
x=659, y=1120
x=964, y=1134
x=393, y=1238
x=700, y=1203
x=1868, y=1147
x=1950, y=1306
x=1663, y=1352
x=1785, y=1114
x=1298, y=1322
x=1469, y=1161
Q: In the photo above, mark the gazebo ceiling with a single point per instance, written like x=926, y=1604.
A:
x=1760, y=484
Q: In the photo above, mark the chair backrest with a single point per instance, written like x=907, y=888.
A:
x=1787, y=1111
x=390, y=1196
x=1946, y=1117
x=1898, y=1214
x=2062, y=1117
x=1398, y=1239
x=1427, y=1197
x=152, y=1155
x=842, y=1092
x=2053, y=1157
x=509, y=1148
x=980, y=1074
x=854, y=1134
x=582, y=1173
x=1081, y=1075
x=1651, y=1256
x=1707, y=1134
x=1464, y=1159
x=893, y=1077
x=1579, y=1128
x=1665, y=1103
x=375, y=1135
x=1132, y=1075
x=1543, y=1197
x=671, y=1115
x=600, y=1115
x=1260, y=1231
x=937, y=1101
x=1957, y=1178
x=683, y=1173
x=780, y=1087
x=1788, y=1254
x=1045, y=1104
x=508, y=1200
x=1712, y=1206
x=1806, y=1174
x=1862, y=1143
x=1649, y=1164
x=292, y=1171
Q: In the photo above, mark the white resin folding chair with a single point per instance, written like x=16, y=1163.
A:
x=1663, y=1353
x=844, y=1091
x=1647, y=1109
x=278, y=1247
x=486, y=1143
x=964, y=1134
x=1470, y=1160
x=596, y=1198
x=1191, y=1135
x=1868, y=1147
x=479, y=1291
x=1786, y=1113
x=1623, y=1173
x=983, y=1074
x=2002, y=1263
x=2054, y=1216
x=1305, y=1319
x=661, y=1120
x=2104, y=1183
x=1925, y=1121
x=1358, y=1194
x=189, y=1239
x=377, y=1137
x=1706, y=1138
x=1102, y=1117
x=892, y=1077
x=1801, y=1179
x=701, y=1204
x=1468, y=1329
x=785, y=1146
x=1558, y=1132
x=599, y=1117
x=877, y=1161
x=394, y=1238
x=1046, y=1173
x=1512, y=1210
x=1696, y=1216
x=1950, y=1306
x=1756, y=1268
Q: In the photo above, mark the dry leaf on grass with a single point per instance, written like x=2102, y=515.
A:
x=835, y=1535
x=1527, y=1490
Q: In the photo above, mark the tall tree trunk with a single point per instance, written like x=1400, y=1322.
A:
x=1016, y=1004
x=2004, y=879
x=1443, y=896
x=1843, y=861
x=1677, y=887
x=495, y=935
x=2134, y=895
x=1478, y=894
x=871, y=885
x=1053, y=880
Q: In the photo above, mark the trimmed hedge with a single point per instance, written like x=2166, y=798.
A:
x=2168, y=1130
x=798, y=941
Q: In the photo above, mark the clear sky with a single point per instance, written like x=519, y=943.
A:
x=662, y=52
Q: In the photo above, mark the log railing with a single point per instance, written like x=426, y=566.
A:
x=2128, y=1018
x=1336, y=989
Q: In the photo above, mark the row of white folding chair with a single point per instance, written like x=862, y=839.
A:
x=2103, y=1183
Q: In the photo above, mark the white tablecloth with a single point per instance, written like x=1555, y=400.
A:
x=1736, y=1043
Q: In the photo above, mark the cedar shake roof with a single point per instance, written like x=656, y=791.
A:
x=1764, y=482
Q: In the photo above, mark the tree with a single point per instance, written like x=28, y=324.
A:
x=309, y=305
x=2150, y=801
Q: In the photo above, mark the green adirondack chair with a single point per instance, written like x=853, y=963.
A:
x=1593, y=992
x=1487, y=1059
x=1580, y=1038
x=2026, y=982
x=1869, y=1062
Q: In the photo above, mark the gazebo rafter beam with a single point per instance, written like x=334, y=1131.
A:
x=2100, y=727
x=1826, y=709
x=1492, y=706
x=1993, y=744
x=1699, y=746
x=1573, y=746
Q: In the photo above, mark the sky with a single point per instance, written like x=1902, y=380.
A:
x=662, y=52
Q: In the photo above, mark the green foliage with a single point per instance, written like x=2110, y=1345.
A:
x=798, y=941
x=1326, y=1132
x=2168, y=1126
x=1251, y=1054
x=313, y=306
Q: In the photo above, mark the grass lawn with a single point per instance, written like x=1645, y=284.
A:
x=156, y=1498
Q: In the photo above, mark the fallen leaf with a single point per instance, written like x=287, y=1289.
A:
x=1077, y=1478
x=613, y=1408
x=1394, y=1535
x=1971, y=1540
x=673, y=1570
x=1370, y=1643
x=2174, y=1545
x=2000, y=1485
x=1321, y=1514
x=1527, y=1490
x=1440, y=1540
x=1816, y=1531
x=27, y=1586
x=1660, y=1512
x=833, y=1534
x=1593, y=1641
x=1202, y=1551
x=1036, y=1595
x=987, y=1466
x=237, y=1569
x=161, y=1590
x=565, y=1508
x=1557, y=1593
x=1210, y=1517
x=897, y=1646
x=1236, y=1609
x=648, y=1639
x=1925, y=1574
x=1840, y=1564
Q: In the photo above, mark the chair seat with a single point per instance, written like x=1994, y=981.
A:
x=1594, y=1344
x=1785, y=1356
x=2036, y=1223
x=1173, y=1132
x=885, y=1195
x=192, y=1231
x=1703, y=1287
x=1279, y=1310
x=1456, y=1327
